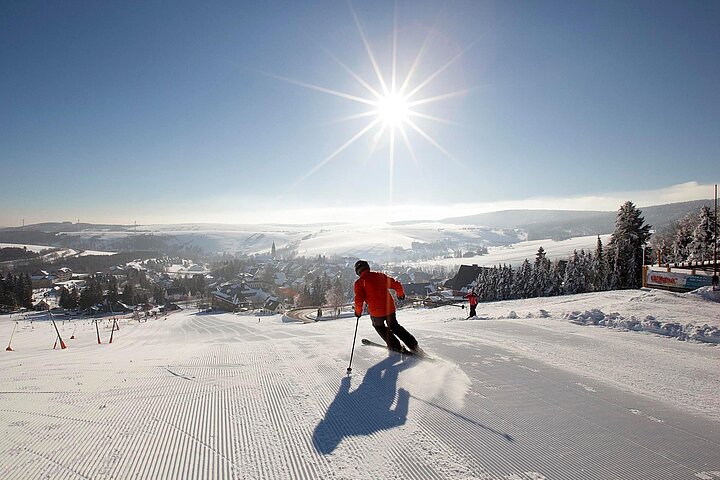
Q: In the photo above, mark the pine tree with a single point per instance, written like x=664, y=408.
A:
x=128, y=294
x=158, y=295
x=304, y=298
x=556, y=278
x=91, y=294
x=64, y=298
x=6, y=296
x=481, y=285
x=9, y=289
x=19, y=292
x=599, y=268
x=522, y=287
x=683, y=237
x=571, y=280
x=540, y=282
x=701, y=245
x=74, y=298
x=624, y=251
x=113, y=295
x=506, y=282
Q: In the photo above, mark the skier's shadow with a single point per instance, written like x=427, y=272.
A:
x=367, y=409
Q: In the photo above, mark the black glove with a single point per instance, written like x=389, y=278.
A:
x=401, y=297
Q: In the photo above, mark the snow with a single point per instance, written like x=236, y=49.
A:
x=516, y=253
x=61, y=252
x=32, y=248
x=196, y=395
x=326, y=239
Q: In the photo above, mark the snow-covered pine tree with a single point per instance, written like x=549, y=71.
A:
x=624, y=250
x=481, y=284
x=494, y=280
x=571, y=282
x=599, y=268
x=585, y=271
x=522, y=286
x=683, y=237
x=507, y=282
x=557, y=274
x=540, y=281
x=703, y=236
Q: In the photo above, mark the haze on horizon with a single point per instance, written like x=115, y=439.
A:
x=283, y=112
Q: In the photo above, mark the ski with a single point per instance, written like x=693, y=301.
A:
x=404, y=351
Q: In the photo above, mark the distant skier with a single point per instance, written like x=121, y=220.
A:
x=372, y=288
x=473, y=299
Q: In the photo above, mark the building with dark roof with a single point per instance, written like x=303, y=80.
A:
x=465, y=276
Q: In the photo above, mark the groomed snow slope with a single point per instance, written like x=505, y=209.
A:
x=231, y=396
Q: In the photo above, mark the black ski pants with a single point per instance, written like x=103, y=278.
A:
x=392, y=332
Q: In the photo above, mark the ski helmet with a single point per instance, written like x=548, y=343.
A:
x=361, y=266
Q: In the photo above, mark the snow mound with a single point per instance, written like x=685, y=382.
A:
x=707, y=293
x=689, y=331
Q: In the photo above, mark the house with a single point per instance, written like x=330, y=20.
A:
x=417, y=289
x=63, y=274
x=230, y=298
x=466, y=276
x=42, y=305
x=42, y=279
x=273, y=305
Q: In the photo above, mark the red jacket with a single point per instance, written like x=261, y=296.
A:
x=372, y=288
x=472, y=298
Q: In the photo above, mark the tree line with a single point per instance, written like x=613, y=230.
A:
x=615, y=266
x=15, y=291
x=690, y=239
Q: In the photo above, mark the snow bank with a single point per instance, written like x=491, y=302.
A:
x=707, y=293
x=688, y=331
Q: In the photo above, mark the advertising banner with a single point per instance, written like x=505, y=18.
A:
x=676, y=280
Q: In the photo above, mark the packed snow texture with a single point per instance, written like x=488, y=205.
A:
x=242, y=396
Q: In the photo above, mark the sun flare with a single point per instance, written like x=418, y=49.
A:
x=393, y=109
x=391, y=99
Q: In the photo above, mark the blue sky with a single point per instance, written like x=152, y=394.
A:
x=161, y=112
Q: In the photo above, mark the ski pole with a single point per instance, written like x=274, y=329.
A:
x=349, y=369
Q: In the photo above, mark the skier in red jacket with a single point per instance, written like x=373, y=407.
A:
x=372, y=288
x=473, y=299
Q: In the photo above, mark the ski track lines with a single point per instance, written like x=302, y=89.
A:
x=189, y=425
x=202, y=396
x=551, y=431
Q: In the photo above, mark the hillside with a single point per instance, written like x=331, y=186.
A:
x=518, y=393
x=398, y=241
x=563, y=224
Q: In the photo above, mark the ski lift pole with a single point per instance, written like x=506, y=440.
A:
x=9, y=347
x=62, y=344
x=97, y=329
x=715, y=280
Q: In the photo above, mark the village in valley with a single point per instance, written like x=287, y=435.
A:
x=258, y=284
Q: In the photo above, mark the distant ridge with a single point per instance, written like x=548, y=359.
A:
x=562, y=224
x=466, y=233
x=56, y=227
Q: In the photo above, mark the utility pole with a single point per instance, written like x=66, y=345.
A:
x=715, y=267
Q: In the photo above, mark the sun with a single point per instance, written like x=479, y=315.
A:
x=391, y=100
x=393, y=109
